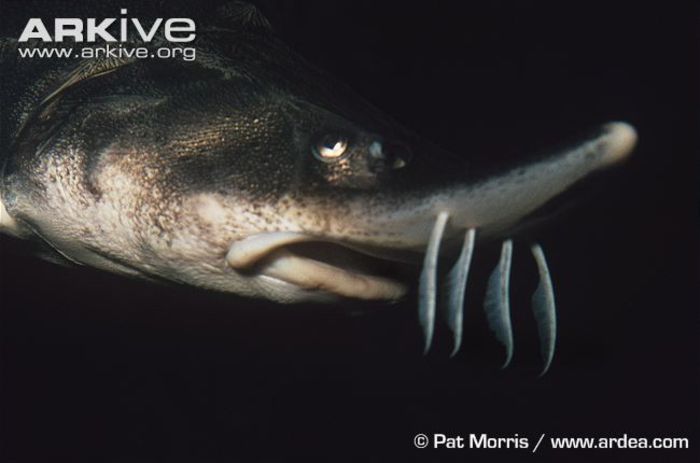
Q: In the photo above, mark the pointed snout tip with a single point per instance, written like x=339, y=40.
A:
x=620, y=140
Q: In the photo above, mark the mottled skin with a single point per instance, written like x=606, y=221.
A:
x=155, y=167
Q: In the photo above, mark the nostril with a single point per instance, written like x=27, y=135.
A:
x=398, y=163
x=377, y=161
x=376, y=151
x=399, y=154
x=388, y=155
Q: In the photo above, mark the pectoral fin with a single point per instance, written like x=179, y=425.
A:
x=8, y=224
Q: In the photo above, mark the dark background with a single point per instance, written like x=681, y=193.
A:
x=95, y=367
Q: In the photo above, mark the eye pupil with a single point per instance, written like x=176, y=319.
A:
x=331, y=147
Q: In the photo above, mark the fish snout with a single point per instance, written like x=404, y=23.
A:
x=620, y=139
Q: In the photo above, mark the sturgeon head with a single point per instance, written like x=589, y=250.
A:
x=249, y=171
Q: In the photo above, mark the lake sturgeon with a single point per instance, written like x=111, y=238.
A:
x=249, y=171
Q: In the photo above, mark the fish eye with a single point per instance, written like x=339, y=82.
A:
x=330, y=147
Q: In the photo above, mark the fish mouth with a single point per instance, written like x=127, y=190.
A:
x=312, y=263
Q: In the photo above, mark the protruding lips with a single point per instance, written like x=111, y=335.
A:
x=314, y=263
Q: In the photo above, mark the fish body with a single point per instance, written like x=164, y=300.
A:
x=249, y=171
